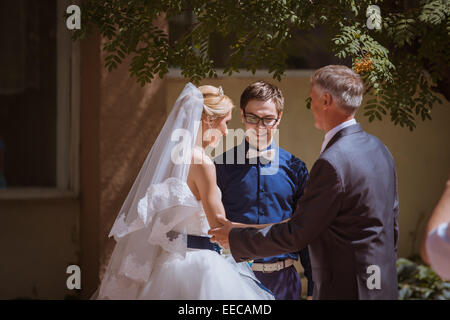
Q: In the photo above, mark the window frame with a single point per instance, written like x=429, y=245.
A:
x=68, y=119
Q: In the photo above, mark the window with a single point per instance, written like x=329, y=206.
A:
x=38, y=100
x=307, y=50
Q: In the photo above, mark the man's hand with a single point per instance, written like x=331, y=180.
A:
x=220, y=234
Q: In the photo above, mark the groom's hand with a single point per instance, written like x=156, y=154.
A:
x=220, y=234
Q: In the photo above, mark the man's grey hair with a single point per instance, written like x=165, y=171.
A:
x=342, y=83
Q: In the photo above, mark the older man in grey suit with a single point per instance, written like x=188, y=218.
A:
x=349, y=211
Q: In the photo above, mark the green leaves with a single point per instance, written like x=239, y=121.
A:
x=434, y=12
x=374, y=109
x=403, y=65
x=417, y=281
x=405, y=31
x=308, y=103
x=418, y=54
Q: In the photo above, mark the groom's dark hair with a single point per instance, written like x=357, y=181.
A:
x=262, y=91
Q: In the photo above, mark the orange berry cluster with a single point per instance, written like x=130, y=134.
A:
x=363, y=64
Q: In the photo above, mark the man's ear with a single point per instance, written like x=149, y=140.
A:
x=242, y=116
x=327, y=99
x=279, y=119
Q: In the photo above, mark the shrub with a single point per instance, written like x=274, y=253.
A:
x=418, y=281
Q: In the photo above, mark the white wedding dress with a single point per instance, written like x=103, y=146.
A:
x=152, y=259
x=201, y=274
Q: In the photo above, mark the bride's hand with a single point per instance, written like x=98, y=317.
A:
x=220, y=234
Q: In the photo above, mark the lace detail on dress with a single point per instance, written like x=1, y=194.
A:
x=166, y=214
x=119, y=288
x=135, y=270
x=163, y=195
x=171, y=192
x=164, y=235
x=158, y=197
x=121, y=228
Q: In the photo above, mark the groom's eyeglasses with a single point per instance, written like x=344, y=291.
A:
x=254, y=119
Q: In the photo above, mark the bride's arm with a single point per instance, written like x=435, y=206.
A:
x=257, y=226
x=203, y=174
x=204, y=177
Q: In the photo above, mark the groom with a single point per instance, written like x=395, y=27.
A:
x=349, y=211
x=262, y=183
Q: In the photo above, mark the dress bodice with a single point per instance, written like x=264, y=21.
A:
x=197, y=223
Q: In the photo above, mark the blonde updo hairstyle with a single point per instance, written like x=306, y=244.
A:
x=216, y=105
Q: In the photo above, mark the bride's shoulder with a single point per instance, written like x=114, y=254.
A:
x=200, y=158
x=202, y=166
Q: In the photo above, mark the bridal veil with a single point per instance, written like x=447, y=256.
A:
x=144, y=225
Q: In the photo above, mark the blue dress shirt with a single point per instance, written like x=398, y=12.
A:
x=260, y=191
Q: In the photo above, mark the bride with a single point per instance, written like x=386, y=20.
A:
x=163, y=249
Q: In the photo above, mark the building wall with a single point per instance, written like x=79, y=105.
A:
x=38, y=240
x=119, y=121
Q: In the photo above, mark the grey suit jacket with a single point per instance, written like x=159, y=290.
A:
x=348, y=216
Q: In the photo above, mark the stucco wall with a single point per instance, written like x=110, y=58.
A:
x=38, y=240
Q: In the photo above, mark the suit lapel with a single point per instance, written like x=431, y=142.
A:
x=354, y=128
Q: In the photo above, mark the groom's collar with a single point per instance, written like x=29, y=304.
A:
x=268, y=154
